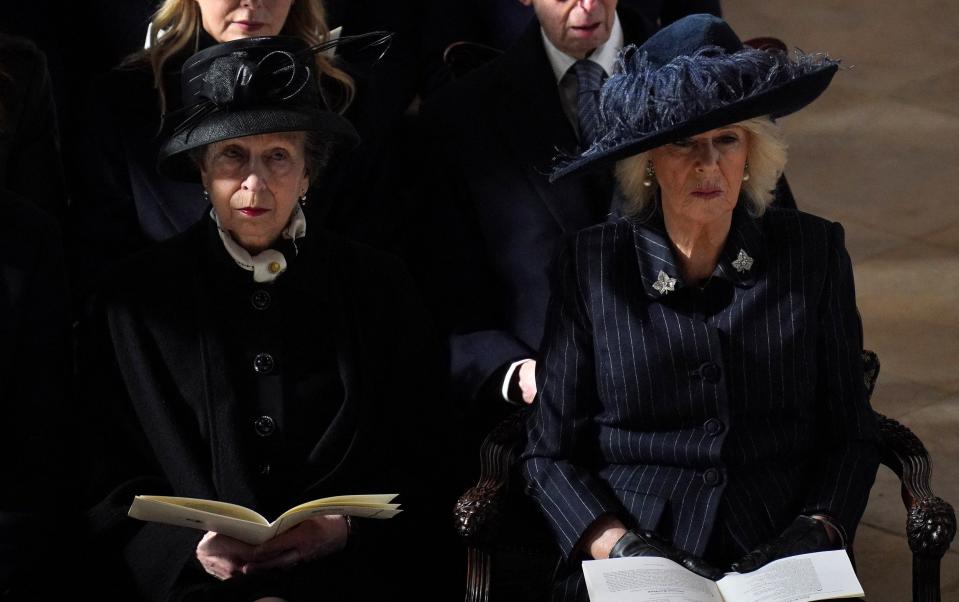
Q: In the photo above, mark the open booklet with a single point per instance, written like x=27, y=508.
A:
x=245, y=524
x=808, y=577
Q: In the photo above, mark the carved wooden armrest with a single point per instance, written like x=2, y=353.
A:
x=479, y=511
x=931, y=521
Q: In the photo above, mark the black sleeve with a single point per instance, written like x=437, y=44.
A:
x=127, y=558
x=454, y=268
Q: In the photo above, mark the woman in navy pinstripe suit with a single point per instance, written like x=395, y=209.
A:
x=701, y=387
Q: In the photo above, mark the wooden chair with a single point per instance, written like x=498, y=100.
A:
x=510, y=555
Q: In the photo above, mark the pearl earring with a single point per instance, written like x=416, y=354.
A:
x=746, y=172
x=650, y=174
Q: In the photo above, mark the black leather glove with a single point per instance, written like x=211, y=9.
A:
x=648, y=543
x=806, y=534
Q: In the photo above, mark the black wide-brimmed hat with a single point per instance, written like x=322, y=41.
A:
x=250, y=86
x=690, y=77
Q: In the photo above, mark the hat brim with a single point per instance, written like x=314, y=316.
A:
x=174, y=161
x=776, y=102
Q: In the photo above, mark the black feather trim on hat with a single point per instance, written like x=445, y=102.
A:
x=254, y=86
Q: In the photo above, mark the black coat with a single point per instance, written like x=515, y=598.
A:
x=170, y=378
x=495, y=220
x=29, y=143
x=34, y=367
x=716, y=415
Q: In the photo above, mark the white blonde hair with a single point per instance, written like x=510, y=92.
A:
x=766, y=157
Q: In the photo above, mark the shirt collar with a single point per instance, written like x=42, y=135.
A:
x=604, y=55
x=740, y=262
x=269, y=263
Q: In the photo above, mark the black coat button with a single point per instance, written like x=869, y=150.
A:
x=714, y=426
x=712, y=477
x=260, y=299
x=265, y=469
x=710, y=372
x=264, y=426
x=263, y=363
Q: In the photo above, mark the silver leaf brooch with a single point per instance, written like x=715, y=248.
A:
x=743, y=262
x=664, y=284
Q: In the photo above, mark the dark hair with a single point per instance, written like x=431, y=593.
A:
x=317, y=149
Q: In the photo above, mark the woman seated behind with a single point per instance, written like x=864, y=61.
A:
x=256, y=360
x=701, y=385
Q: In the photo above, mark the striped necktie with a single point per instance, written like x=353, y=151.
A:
x=589, y=79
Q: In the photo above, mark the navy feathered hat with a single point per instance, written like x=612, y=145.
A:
x=693, y=76
x=252, y=86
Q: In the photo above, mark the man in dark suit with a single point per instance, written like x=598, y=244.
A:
x=499, y=221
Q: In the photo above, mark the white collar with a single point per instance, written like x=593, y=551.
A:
x=270, y=263
x=604, y=55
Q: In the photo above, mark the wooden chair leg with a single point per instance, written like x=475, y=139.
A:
x=925, y=580
x=930, y=520
x=478, y=565
x=930, y=529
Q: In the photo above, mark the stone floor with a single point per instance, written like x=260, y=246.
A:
x=879, y=152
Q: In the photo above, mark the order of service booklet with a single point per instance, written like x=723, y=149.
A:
x=248, y=526
x=807, y=577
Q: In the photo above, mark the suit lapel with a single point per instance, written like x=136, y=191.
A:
x=531, y=120
x=658, y=267
x=741, y=260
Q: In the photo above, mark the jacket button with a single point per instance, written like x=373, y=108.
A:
x=712, y=477
x=714, y=426
x=264, y=426
x=265, y=469
x=263, y=363
x=260, y=300
x=710, y=372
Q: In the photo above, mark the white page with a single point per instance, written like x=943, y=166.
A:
x=645, y=579
x=808, y=577
x=158, y=511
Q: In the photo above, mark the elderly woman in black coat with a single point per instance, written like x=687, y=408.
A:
x=701, y=383
x=257, y=361
x=120, y=203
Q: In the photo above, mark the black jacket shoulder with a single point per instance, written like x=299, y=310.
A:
x=155, y=271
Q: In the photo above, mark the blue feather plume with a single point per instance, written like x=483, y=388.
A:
x=641, y=98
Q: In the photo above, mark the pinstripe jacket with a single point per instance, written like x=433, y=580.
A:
x=729, y=408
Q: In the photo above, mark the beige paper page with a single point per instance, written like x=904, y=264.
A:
x=818, y=576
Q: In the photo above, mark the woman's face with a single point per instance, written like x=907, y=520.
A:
x=254, y=183
x=700, y=177
x=227, y=20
